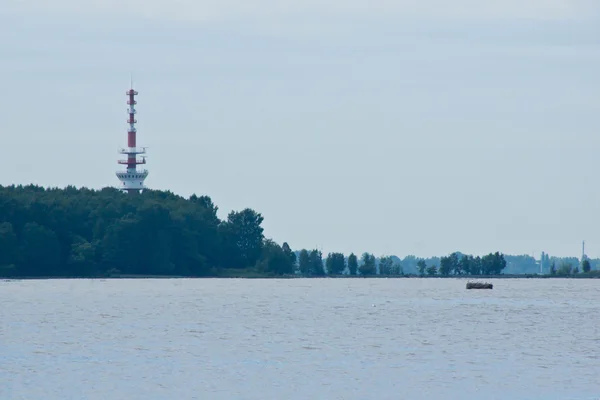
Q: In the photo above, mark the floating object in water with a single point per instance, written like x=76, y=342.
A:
x=479, y=285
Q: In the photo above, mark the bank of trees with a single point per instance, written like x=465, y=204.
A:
x=84, y=233
x=567, y=268
x=81, y=232
x=491, y=264
x=311, y=264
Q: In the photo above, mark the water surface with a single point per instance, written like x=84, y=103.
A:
x=347, y=339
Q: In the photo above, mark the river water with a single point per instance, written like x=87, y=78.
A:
x=346, y=339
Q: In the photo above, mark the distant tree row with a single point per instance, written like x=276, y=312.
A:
x=84, y=233
x=311, y=264
x=568, y=269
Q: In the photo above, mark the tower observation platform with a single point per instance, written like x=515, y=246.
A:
x=132, y=179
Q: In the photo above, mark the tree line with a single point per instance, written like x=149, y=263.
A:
x=311, y=264
x=84, y=232
x=75, y=232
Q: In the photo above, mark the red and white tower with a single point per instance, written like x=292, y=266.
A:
x=132, y=179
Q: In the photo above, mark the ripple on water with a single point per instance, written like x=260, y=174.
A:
x=268, y=339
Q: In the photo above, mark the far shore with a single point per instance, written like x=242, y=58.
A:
x=251, y=275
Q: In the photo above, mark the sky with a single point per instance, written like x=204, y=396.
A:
x=405, y=127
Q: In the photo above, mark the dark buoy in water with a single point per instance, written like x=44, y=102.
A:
x=479, y=285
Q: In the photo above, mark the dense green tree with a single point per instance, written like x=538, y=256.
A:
x=421, y=267
x=456, y=266
x=565, y=269
x=122, y=247
x=40, y=251
x=274, y=260
x=289, y=253
x=368, y=266
x=243, y=236
x=304, y=262
x=466, y=264
x=475, y=265
x=409, y=264
x=8, y=271
x=316, y=263
x=445, y=266
x=397, y=269
x=493, y=264
x=335, y=263
x=8, y=250
x=8, y=244
x=352, y=264
x=386, y=265
x=431, y=270
x=82, y=259
x=585, y=266
x=84, y=232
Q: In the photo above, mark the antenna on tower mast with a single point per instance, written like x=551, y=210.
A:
x=132, y=178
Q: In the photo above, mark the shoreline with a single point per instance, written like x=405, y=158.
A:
x=259, y=276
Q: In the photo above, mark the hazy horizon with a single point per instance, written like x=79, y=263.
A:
x=408, y=127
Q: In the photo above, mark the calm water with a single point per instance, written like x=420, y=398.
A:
x=350, y=339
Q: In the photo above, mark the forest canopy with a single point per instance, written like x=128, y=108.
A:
x=75, y=232
x=83, y=232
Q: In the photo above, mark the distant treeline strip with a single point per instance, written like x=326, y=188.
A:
x=90, y=233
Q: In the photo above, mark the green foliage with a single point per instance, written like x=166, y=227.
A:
x=304, y=262
x=310, y=263
x=585, y=266
x=421, y=267
x=40, y=251
x=82, y=232
x=289, y=253
x=335, y=263
x=8, y=271
x=431, y=270
x=274, y=260
x=467, y=264
x=445, y=266
x=352, y=264
x=316, y=267
x=387, y=266
x=565, y=269
x=455, y=264
x=8, y=248
x=243, y=237
x=367, y=266
x=82, y=258
x=491, y=264
x=398, y=269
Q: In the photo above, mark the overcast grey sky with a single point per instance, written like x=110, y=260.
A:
x=394, y=127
